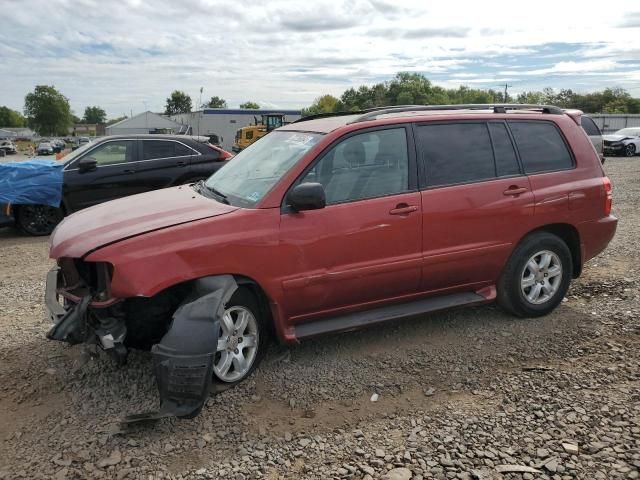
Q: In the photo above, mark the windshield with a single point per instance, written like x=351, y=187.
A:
x=248, y=176
x=630, y=132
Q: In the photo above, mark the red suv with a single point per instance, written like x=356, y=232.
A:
x=334, y=223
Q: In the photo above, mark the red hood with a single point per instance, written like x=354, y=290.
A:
x=127, y=217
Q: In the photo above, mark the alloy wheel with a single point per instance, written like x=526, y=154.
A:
x=237, y=344
x=541, y=277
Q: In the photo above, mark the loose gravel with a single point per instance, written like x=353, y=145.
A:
x=465, y=394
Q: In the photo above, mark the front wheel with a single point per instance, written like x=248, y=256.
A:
x=242, y=339
x=630, y=150
x=38, y=220
x=536, y=277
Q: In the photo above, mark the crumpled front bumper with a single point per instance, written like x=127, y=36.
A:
x=182, y=361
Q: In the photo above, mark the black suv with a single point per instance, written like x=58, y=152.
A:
x=118, y=166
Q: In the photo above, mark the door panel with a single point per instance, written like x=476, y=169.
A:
x=470, y=230
x=352, y=253
x=114, y=176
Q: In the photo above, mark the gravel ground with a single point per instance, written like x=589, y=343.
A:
x=465, y=394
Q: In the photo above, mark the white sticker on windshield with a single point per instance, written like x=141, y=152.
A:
x=254, y=196
x=301, y=138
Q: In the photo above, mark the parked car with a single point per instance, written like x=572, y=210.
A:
x=58, y=145
x=8, y=147
x=594, y=134
x=623, y=142
x=79, y=142
x=118, y=166
x=45, y=148
x=331, y=224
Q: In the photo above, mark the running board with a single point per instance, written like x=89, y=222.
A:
x=355, y=320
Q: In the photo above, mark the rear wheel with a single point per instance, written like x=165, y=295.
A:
x=630, y=150
x=242, y=339
x=536, y=277
x=38, y=220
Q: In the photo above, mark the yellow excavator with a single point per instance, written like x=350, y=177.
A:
x=245, y=136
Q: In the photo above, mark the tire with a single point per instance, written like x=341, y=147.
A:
x=242, y=302
x=38, y=220
x=629, y=150
x=516, y=296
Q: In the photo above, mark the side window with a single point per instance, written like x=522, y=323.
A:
x=590, y=126
x=506, y=160
x=541, y=147
x=111, y=153
x=158, y=149
x=249, y=135
x=456, y=153
x=182, y=150
x=367, y=165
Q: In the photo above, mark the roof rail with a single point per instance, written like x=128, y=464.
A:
x=330, y=114
x=496, y=107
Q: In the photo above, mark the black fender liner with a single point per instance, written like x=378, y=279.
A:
x=183, y=360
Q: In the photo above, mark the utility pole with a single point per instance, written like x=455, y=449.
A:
x=506, y=95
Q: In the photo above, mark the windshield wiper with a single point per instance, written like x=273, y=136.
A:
x=221, y=197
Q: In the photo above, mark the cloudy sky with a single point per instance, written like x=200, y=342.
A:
x=128, y=55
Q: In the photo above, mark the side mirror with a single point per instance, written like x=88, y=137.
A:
x=87, y=164
x=306, y=196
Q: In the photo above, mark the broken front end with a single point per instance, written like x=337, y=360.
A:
x=179, y=325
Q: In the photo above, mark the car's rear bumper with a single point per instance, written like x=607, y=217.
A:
x=595, y=235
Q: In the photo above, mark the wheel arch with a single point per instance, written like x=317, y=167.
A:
x=570, y=236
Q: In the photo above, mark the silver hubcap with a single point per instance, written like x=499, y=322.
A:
x=541, y=277
x=237, y=344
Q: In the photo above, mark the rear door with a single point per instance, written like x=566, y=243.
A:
x=114, y=175
x=476, y=202
x=164, y=163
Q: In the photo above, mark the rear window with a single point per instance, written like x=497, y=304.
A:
x=456, y=153
x=541, y=147
x=163, y=149
x=590, y=127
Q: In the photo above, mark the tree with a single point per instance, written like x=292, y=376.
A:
x=94, y=115
x=178, y=102
x=322, y=104
x=11, y=118
x=48, y=111
x=216, y=102
x=250, y=105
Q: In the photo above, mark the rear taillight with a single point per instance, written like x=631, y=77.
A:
x=608, y=190
x=222, y=154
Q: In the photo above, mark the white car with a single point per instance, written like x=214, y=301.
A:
x=8, y=147
x=623, y=142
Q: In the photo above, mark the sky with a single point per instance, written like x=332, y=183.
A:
x=129, y=55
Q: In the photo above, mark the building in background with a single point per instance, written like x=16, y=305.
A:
x=225, y=122
x=88, y=129
x=145, y=122
x=612, y=122
x=16, y=133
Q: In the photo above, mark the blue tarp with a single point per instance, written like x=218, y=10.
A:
x=32, y=182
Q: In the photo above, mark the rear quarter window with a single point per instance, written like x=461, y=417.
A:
x=541, y=147
x=590, y=127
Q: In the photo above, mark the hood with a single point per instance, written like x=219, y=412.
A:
x=614, y=138
x=109, y=222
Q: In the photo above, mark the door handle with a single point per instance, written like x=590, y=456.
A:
x=515, y=190
x=181, y=163
x=129, y=170
x=403, y=209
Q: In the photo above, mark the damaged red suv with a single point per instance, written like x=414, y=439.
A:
x=334, y=223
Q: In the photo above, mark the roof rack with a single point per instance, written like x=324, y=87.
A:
x=496, y=107
x=330, y=114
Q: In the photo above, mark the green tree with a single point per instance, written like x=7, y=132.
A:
x=322, y=104
x=250, y=105
x=48, y=111
x=11, y=118
x=94, y=115
x=178, y=102
x=216, y=102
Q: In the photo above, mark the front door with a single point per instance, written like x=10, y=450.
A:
x=365, y=246
x=113, y=177
x=476, y=202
